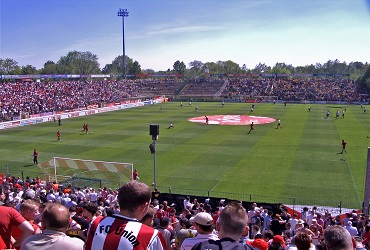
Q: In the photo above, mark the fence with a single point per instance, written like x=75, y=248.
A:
x=246, y=197
x=263, y=198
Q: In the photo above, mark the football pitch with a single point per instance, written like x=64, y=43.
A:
x=302, y=159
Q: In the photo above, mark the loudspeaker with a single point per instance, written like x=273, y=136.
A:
x=154, y=130
x=152, y=148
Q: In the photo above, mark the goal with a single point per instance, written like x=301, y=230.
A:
x=60, y=169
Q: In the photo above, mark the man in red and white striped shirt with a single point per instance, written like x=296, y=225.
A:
x=124, y=231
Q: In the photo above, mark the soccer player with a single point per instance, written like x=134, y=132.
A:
x=123, y=230
x=343, y=114
x=344, y=143
x=135, y=175
x=206, y=119
x=35, y=155
x=337, y=114
x=278, y=124
x=251, y=128
x=171, y=126
x=252, y=111
x=309, y=109
x=365, y=110
x=59, y=122
x=58, y=135
x=327, y=113
x=87, y=128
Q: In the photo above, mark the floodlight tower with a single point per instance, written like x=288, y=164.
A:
x=123, y=13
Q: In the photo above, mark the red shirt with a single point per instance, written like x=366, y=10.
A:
x=9, y=218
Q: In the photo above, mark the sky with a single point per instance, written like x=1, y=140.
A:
x=160, y=32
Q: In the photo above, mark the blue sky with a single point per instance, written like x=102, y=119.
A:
x=157, y=33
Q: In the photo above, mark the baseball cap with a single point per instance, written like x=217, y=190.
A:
x=261, y=244
x=278, y=239
x=202, y=218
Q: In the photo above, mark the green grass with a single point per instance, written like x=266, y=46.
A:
x=300, y=160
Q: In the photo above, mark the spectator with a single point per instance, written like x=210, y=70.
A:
x=168, y=235
x=337, y=238
x=9, y=218
x=351, y=229
x=29, y=209
x=148, y=217
x=55, y=222
x=203, y=223
x=134, y=201
x=233, y=221
x=303, y=241
x=184, y=232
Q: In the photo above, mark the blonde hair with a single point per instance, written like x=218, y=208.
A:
x=29, y=205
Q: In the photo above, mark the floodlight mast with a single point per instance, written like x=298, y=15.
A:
x=123, y=13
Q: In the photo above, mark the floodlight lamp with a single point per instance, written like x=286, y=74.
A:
x=122, y=12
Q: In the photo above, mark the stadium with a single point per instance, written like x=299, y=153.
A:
x=184, y=145
x=298, y=164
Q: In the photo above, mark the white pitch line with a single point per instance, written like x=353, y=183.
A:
x=215, y=185
x=353, y=180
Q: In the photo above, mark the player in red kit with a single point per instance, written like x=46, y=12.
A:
x=35, y=155
x=252, y=128
x=58, y=135
x=87, y=128
x=344, y=143
x=135, y=175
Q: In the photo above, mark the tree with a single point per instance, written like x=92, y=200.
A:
x=9, y=66
x=79, y=63
x=148, y=71
x=28, y=70
x=261, y=68
x=213, y=68
x=231, y=67
x=134, y=69
x=49, y=68
x=116, y=67
x=196, y=65
x=87, y=63
x=179, y=67
x=364, y=81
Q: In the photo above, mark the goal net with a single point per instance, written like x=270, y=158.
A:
x=60, y=169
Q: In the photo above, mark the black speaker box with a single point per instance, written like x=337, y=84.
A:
x=154, y=129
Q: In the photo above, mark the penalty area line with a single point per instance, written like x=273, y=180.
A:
x=218, y=182
x=353, y=181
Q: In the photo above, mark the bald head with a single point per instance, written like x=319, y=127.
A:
x=55, y=217
x=337, y=238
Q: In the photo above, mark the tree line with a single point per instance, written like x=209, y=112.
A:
x=86, y=63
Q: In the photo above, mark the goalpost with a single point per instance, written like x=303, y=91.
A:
x=69, y=167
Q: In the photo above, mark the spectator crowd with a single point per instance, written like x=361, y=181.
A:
x=294, y=89
x=39, y=215
x=41, y=97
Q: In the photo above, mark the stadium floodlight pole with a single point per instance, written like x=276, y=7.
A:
x=123, y=13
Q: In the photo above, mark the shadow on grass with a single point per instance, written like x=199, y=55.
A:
x=28, y=165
